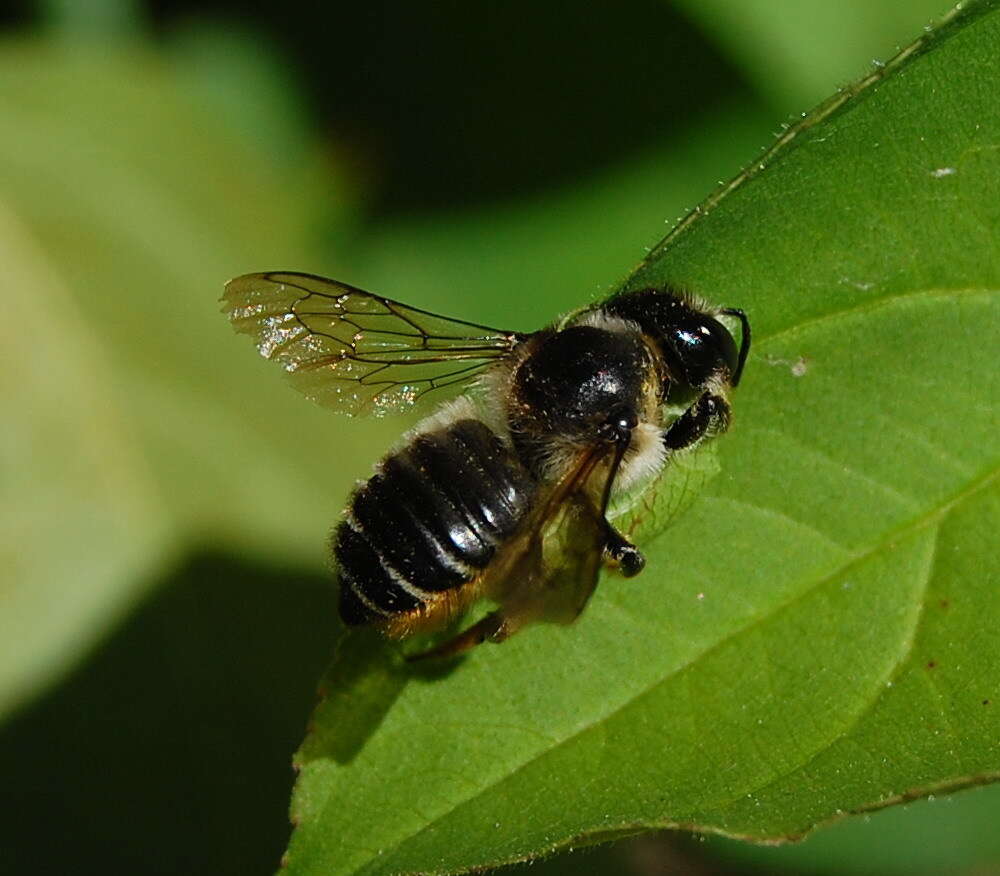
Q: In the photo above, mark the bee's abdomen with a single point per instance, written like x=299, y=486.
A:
x=430, y=520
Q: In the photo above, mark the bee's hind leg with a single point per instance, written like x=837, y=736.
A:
x=494, y=628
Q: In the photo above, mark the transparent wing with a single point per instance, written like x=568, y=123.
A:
x=550, y=569
x=356, y=352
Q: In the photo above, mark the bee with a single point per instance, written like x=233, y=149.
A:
x=503, y=492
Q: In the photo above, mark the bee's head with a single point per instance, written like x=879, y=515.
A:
x=697, y=348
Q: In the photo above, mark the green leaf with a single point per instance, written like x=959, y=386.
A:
x=78, y=508
x=812, y=637
x=132, y=433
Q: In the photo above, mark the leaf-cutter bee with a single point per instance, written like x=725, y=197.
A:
x=501, y=493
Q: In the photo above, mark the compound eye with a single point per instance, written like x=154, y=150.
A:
x=725, y=345
x=704, y=347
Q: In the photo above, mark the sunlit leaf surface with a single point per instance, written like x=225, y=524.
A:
x=815, y=635
x=130, y=432
x=79, y=511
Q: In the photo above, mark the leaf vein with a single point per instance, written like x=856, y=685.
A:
x=870, y=305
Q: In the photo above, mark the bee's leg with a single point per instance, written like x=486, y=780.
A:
x=618, y=549
x=623, y=553
x=494, y=627
x=709, y=415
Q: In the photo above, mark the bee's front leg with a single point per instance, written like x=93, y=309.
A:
x=623, y=553
x=709, y=415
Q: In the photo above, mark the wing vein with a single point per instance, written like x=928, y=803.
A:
x=389, y=357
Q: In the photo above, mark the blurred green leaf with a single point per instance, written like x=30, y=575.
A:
x=97, y=19
x=795, y=52
x=135, y=432
x=246, y=80
x=808, y=640
x=79, y=508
